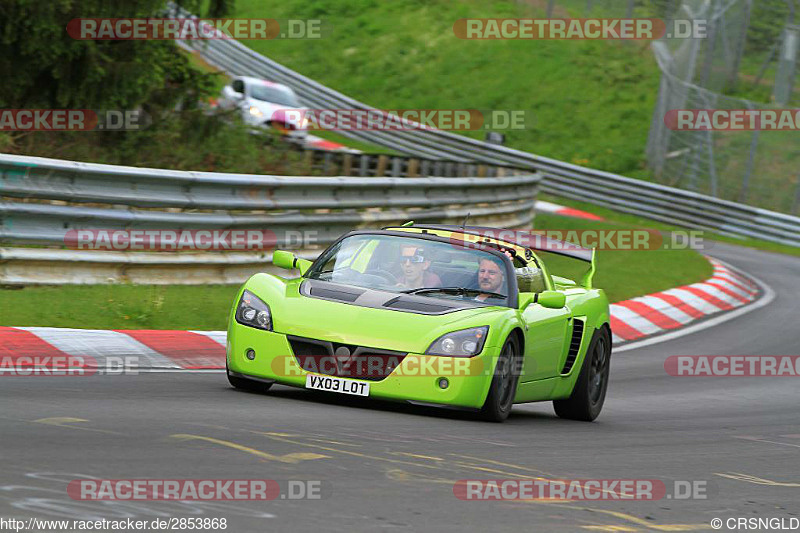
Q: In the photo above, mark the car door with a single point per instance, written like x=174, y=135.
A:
x=546, y=339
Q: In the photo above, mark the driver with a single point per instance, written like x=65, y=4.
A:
x=414, y=269
x=491, y=276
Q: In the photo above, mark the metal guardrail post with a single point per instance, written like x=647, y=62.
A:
x=383, y=161
x=413, y=166
x=397, y=167
x=787, y=64
x=364, y=166
x=347, y=165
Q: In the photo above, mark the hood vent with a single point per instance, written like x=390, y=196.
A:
x=379, y=299
x=342, y=295
x=417, y=307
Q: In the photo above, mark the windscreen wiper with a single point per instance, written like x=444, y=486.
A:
x=453, y=290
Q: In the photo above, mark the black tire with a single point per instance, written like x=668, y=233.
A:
x=590, y=390
x=245, y=384
x=500, y=399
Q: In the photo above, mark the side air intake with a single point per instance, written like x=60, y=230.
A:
x=574, y=345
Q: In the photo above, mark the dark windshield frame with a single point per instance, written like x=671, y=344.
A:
x=513, y=296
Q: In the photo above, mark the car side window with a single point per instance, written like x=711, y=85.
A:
x=238, y=86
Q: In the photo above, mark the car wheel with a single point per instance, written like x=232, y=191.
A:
x=589, y=393
x=504, y=383
x=246, y=384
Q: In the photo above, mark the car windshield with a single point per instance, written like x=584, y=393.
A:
x=415, y=266
x=275, y=95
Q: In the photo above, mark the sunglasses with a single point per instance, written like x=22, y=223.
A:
x=413, y=258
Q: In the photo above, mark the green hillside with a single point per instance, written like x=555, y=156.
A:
x=589, y=102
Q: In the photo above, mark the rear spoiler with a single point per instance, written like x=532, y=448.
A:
x=586, y=280
x=555, y=246
x=567, y=249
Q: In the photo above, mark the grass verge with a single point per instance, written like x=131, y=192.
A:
x=118, y=306
x=625, y=274
x=639, y=222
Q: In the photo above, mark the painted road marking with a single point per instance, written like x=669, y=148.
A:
x=755, y=480
x=291, y=458
x=343, y=452
x=756, y=439
x=99, y=343
x=702, y=304
x=650, y=313
x=66, y=421
x=188, y=350
x=768, y=295
x=662, y=306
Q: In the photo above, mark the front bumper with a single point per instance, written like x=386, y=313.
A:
x=415, y=379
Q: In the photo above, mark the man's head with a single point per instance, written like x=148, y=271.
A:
x=413, y=262
x=491, y=274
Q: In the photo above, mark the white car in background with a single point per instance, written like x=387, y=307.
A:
x=263, y=104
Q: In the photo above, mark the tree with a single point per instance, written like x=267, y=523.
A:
x=43, y=67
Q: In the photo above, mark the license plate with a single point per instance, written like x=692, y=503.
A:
x=340, y=385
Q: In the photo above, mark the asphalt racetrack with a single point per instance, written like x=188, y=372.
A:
x=392, y=467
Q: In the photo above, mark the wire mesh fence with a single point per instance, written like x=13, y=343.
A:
x=745, y=58
x=760, y=168
x=755, y=167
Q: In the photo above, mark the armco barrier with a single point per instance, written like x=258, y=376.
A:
x=646, y=199
x=329, y=163
x=41, y=200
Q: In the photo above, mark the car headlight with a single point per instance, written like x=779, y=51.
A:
x=256, y=112
x=253, y=312
x=464, y=343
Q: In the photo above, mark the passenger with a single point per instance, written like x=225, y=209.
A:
x=414, y=269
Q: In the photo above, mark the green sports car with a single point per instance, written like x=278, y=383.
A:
x=465, y=317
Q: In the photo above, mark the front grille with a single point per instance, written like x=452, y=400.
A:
x=344, y=360
x=574, y=345
x=303, y=347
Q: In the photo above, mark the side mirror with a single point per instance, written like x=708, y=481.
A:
x=283, y=259
x=289, y=261
x=526, y=299
x=551, y=299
